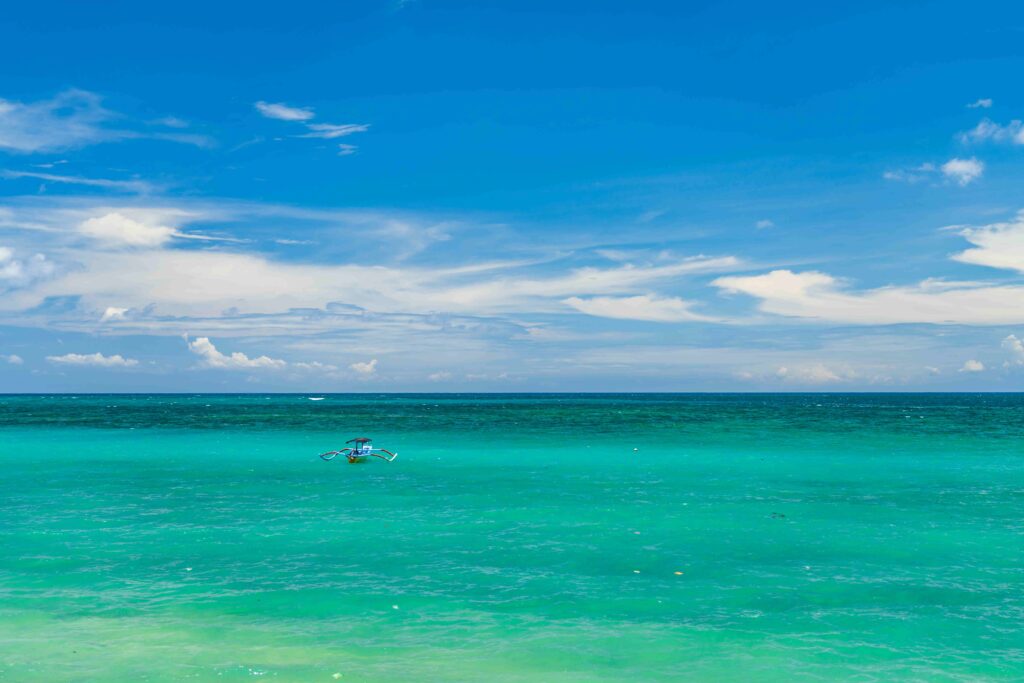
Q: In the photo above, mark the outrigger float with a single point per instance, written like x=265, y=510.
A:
x=362, y=450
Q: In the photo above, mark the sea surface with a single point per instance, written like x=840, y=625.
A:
x=518, y=538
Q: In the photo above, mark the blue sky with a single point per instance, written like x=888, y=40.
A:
x=512, y=196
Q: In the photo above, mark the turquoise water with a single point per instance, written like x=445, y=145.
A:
x=516, y=538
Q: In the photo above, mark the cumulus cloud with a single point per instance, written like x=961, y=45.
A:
x=439, y=376
x=365, y=369
x=113, y=313
x=963, y=171
x=1015, y=347
x=94, y=359
x=12, y=358
x=983, y=103
x=973, y=366
x=644, y=307
x=210, y=357
x=116, y=229
x=21, y=272
x=282, y=112
x=990, y=131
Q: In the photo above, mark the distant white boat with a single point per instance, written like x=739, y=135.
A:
x=315, y=398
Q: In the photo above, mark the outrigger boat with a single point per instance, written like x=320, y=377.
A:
x=362, y=450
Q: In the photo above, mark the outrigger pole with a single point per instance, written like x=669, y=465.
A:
x=393, y=455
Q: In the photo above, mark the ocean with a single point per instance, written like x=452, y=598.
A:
x=518, y=538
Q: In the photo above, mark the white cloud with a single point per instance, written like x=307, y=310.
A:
x=990, y=131
x=963, y=171
x=315, y=366
x=637, y=308
x=113, y=313
x=12, y=358
x=808, y=374
x=212, y=358
x=983, y=103
x=912, y=175
x=170, y=122
x=22, y=272
x=139, y=186
x=764, y=223
x=819, y=296
x=116, y=229
x=70, y=120
x=439, y=376
x=973, y=366
x=366, y=369
x=94, y=359
x=331, y=131
x=204, y=283
x=1015, y=347
x=997, y=245
x=960, y=171
x=282, y=112
x=345, y=150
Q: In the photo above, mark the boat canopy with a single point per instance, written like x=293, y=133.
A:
x=361, y=439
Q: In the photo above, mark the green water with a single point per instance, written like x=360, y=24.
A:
x=516, y=538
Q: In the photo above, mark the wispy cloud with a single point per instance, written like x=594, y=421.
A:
x=326, y=131
x=136, y=186
x=330, y=131
x=812, y=295
x=983, y=103
x=283, y=112
x=94, y=360
x=70, y=120
x=816, y=373
x=913, y=175
x=654, y=309
x=12, y=359
x=74, y=118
